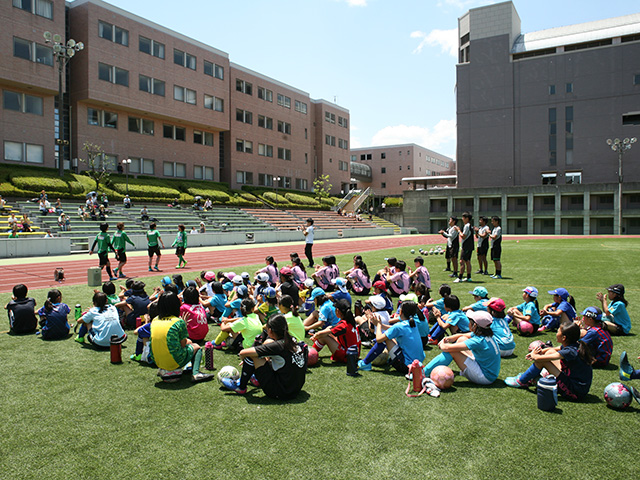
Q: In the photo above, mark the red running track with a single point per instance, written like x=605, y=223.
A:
x=40, y=275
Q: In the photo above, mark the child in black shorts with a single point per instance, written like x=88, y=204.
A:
x=466, y=236
x=21, y=310
x=453, y=245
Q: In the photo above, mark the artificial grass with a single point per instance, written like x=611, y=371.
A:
x=70, y=414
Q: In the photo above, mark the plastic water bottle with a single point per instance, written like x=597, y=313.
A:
x=547, y=393
x=78, y=311
x=115, y=348
x=352, y=360
x=208, y=356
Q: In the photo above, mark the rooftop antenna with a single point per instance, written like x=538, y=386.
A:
x=335, y=99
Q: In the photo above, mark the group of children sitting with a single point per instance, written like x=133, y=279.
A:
x=270, y=315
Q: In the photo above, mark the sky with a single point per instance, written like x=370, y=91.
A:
x=390, y=62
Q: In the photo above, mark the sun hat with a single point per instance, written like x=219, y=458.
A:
x=480, y=317
x=340, y=283
x=237, y=280
x=262, y=277
x=377, y=302
x=316, y=293
x=480, y=292
x=245, y=275
x=531, y=291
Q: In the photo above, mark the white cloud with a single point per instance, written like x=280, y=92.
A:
x=447, y=40
x=356, y=3
x=443, y=133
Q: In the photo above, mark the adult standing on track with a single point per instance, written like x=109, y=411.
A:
x=103, y=241
x=308, y=231
x=120, y=240
x=154, y=240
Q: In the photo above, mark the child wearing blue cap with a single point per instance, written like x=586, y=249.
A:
x=325, y=313
x=480, y=295
x=617, y=318
x=528, y=311
x=269, y=306
x=560, y=311
x=598, y=338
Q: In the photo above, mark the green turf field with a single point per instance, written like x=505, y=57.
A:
x=68, y=413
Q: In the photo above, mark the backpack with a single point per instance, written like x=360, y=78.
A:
x=58, y=274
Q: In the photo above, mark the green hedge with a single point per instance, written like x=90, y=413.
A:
x=36, y=183
x=271, y=197
x=216, y=196
x=301, y=199
x=146, y=190
x=393, y=201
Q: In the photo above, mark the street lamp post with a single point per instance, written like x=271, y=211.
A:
x=126, y=162
x=620, y=146
x=63, y=53
x=277, y=180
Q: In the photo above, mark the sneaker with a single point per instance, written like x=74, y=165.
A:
x=232, y=385
x=156, y=269
x=170, y=376
x=122, y=275
x=542, y=328
x=458, y=280
x=625, y=367
x=366, y=343
x=79, y=339
x=479, y=272
x=113, y=279
x=150, y=269
x=446, y=270
x=178, y=266
x=485, y=273
x=635, y=393
x=433, y=341
x=366, y=367
x=516, y=383
x=216, y=346
x=453, y=275
x=202, y=377
x=115, y=271
x=254, y=381
x=499, y=277
x=136, y=358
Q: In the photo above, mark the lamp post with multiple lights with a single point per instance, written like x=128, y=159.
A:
x=63, y=53
x=620, y=146
x=125, y=163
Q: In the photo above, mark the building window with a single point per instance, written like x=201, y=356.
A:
x=572, y=178
x=408, y=167
x=214, y=70
x=302, y=184
x=342, y=122
x=21, y=102
x=265, y=180
x=244, y=178
x=284, y=153
x=184, y=59
x=330, y=140
x=42, y=8
x=552, y=89
x=301, y=107
x=399, y=167
x=265, y=122
x=112, y=74
x=102, y=118
x=244, y=146
x=553, y=154
x=183, y=94
x=636, y=79
x=343, y=144
x=151, y=47
x=144, y=166
x=265, y=150
x=200, y=172
x=383, y=170
x=383, y=185
x=284, y=127
x=32, y=51
x=569, y=87
x=383, y=155
x=265, y=94
x=344, y=166
x=23, y=152
x=203, y=138
x=213, y=103
x=244, y=87
x=568, y=112
x=113, y=33
x=174, y=133
x=244, y=116
x=141, y=125
x=151, y=85
x=329, y=117
x=284, y=101
x=174, y=169
x=549, y=178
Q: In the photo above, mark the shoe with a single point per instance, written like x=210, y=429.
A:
x=113, y=279
x=516, y=383
x=433, y=341
x=458, y=280
x=485, y=273
x=479, y=272
x=79, y=339
x=122, y=275
x=446, y=270
x=366, y=343
x=232, y=385
x=178, y=266
x=453, y=275
x=157, y=269
x=115, y=271
x=202, y=377
x=625, y=367
x=254, y=381
x=366, y=367
x=499, y=277
x=150, y=269
x=136, y=358
x=635, y=393
x=216, y=346
x=542, y=328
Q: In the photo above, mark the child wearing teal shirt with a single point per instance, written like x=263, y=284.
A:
x=454, y=320
x=500, y=327
x=480, y=295
x=181, y=245
x=618, y=321
x=529, y=311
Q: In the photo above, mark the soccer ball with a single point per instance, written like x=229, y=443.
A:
x=525, y=328
x=312, y=360
x=381, y=360
x=617, y=395
x=228, y=372
x=535, y=344
x=413, y=251
x=442, y=376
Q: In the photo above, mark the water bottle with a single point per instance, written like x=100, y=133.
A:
x=208, y=356
x=115, y=348
x=78, y=312
x=547, y=393
x=352, y=360
x=138, y=322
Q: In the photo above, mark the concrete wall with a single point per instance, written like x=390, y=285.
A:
x=34, y=247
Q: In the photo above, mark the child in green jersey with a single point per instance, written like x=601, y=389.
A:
x=181, y=245
x=119, y=242
x=103, y=242
x=153, y=238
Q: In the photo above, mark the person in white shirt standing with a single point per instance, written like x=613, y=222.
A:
x=308, y=235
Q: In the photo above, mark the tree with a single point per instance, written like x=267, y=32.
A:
x=97, y=169
x=322, y=187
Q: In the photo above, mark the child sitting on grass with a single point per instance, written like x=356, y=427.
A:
x=101, y=323
x=53, y=317
x=500, y=327
x=269, y=306
x=480, y=295
x=597, y=337
x=570, y=363
x=562, y=310
x=432, y=305
x=340, y=337
x=248, y=326
x=232, y=311
x=453, y=320
x=194, y=314
x=476, y=353
x=21, y=310
x=290, y=311
x=529, y=311
x=617, y=318
x=144, y=335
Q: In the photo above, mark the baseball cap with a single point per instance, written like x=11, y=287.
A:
x=531, y=291
x=165, y=281
x=316, y=293
x=286, y=271
x=340, y=283
x=262, y=277
x=409, y=297
x=308, y=282
x=209, y=276
x=480, y=317
x=381, y=285
x=618, y=289
x=562, y=292
x=495, y=303
x=230, y=275
x=245, y=275
x=228, y=286
x=237, y=280
x=480, y=292
x=593, y=312
x=377, y=302
x=242, y=291
x=269, y=292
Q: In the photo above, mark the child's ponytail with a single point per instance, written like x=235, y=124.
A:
x=585, y=352
x=408, y=310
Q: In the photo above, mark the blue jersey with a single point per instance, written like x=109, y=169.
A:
x=458, y=319
x=487, y=355
x=478, y=306
x=439, y=305
x=408, y=339
x=620, y=316
x=327, y=314
x=502, y=334
x=529, y=309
